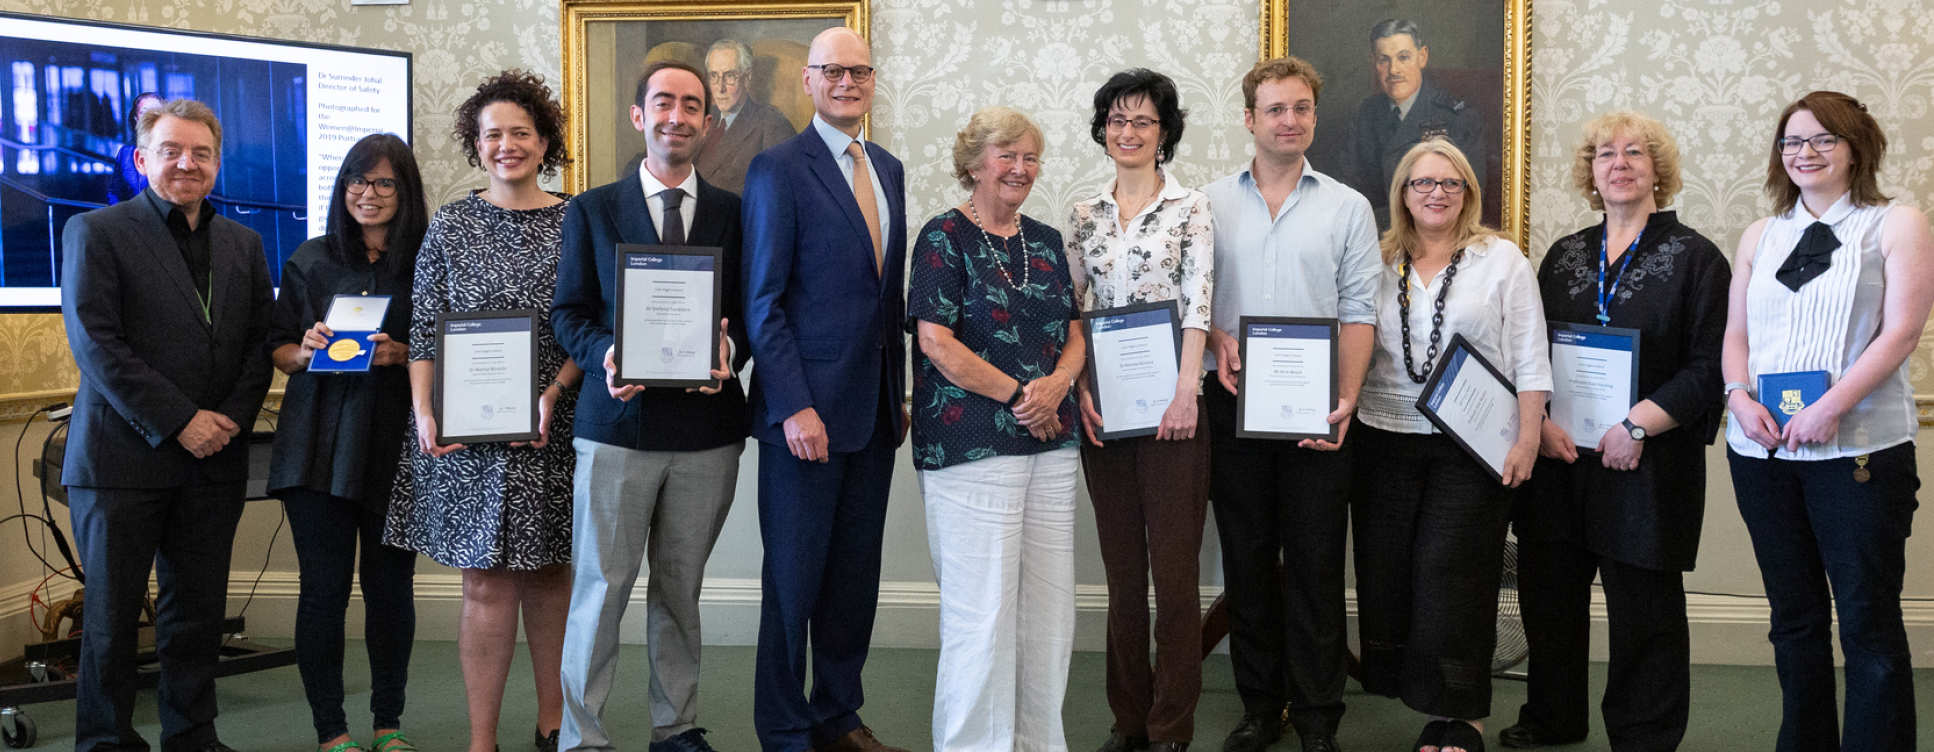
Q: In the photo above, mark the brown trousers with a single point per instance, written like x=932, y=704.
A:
x=1150, y=498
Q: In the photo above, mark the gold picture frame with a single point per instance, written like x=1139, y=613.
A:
x=1474, y=51
x=607, y=43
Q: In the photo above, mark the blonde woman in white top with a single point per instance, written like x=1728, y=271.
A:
x=1429, y=520
x=1837, y=280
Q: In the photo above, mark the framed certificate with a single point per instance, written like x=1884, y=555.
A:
x=353, y=319
x=1135, y=356
x=485, y=387
x=1287, y=386
x=667, y=330
x=1595, y=379
x=1471, y=402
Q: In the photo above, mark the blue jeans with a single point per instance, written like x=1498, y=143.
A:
x=1814, y=525
x=326, y=530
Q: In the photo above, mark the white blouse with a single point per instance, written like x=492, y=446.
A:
x=1493, y=302
x=1825, y=326
x=1165, y=253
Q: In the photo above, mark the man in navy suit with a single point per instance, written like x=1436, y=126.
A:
x=825, y=238
x=656, y=467
x=167, y=308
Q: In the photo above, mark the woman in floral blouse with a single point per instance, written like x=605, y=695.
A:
x=1147, y=239
x=993, y=434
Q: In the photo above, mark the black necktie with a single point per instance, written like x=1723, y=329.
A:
x=673, y=232
x=1810, y=258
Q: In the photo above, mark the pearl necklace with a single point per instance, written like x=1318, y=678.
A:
x=1027, y=269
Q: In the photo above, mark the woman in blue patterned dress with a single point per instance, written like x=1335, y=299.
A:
x=993, y=435
x=499, y=512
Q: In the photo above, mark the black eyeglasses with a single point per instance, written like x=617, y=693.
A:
x=1822, y=143
x=379, y=186
x=860, y=73
x=1452, y=186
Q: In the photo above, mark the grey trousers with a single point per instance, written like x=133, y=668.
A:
x=629, y=505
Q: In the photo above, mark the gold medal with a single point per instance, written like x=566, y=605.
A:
x=344, y=349
x=1860, y=472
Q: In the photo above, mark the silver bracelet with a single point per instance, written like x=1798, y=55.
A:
x=1732, y=385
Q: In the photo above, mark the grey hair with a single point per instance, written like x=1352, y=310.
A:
x=738, y=48
x=1391, y=27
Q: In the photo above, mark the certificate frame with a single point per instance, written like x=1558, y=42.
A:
x=1459, y=344
x=1087, y=329
x=1243, y=327
x=437, y=389
x=717, y=255
x=1632, y=398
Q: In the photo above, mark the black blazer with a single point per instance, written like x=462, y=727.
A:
x=148, y=360
x=583, y=315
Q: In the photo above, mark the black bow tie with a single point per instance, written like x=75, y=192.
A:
x=1810, y=258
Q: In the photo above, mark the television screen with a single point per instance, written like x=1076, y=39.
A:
x=289, y=111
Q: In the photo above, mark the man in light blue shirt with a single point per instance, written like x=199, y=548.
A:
x=1290, y=241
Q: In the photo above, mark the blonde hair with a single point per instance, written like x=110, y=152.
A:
x=1401, y=239
x=992, y=126
x=1659, y=146
x=186, y=109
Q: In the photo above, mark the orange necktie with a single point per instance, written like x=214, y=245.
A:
x=869, y=206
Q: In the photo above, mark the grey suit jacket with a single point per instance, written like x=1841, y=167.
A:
x=147, y=357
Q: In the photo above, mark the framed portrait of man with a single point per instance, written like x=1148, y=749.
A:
x=1396, y=72
x=751, y=52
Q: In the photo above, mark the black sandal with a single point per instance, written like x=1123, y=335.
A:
x=1461, y=735
x=1433, y=731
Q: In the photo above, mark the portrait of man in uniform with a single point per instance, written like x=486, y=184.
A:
x=1407, y=108
x=1397, y=72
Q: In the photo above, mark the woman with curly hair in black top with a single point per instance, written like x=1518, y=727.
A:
x=501, y=512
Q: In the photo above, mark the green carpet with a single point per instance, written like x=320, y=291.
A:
x=1734, y=707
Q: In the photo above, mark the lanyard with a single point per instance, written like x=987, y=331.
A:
x=1604, y=260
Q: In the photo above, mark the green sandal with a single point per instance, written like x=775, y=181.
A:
x=393, y=741
x=345, y=747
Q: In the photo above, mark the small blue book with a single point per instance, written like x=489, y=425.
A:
x=1784, y=394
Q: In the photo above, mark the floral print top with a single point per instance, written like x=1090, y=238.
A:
x=1018, y=328
x=1165, y=253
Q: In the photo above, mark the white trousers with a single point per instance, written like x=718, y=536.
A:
x=1001, y=532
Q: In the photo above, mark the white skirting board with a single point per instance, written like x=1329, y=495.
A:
x=1725, y=630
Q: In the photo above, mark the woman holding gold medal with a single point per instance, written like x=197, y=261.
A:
x=338, y=442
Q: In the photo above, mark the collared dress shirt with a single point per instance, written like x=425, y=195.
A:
x=1166, y=252
x=1317, y=256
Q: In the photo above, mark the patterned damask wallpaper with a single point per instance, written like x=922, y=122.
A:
x=1717, y=71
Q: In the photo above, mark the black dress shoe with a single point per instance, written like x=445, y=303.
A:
x=1120, y=742
x=1532, y=736
x=1254, y=734
x=214, y=746
x=546, y=742
x=1320, y=743
x=1169, y=747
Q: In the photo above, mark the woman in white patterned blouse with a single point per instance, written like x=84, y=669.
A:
x=1148, y=240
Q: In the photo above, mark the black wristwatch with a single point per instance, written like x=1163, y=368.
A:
x=1636, y=431
x=1020, y=389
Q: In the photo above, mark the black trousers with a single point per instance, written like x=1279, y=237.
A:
x=1828, y=543
x=1275, y=502
x=185, y=535
x=1429, y=524
x=326, y=530
x=1648, y=688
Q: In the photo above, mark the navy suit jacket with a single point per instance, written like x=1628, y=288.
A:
x=826, y=328
x=147, y=357
x=586, y=304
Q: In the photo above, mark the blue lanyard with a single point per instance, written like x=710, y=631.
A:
x=1604, y=260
